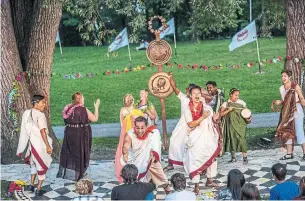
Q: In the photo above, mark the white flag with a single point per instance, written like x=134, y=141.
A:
x=170, y=29
x=120, y=41
x=246, y=35
x=57, y=38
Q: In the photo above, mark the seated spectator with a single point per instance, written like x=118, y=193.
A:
x=235, y=182
x=249, y=192
x=284, y=190
x=84, y=187
x=179, y=183
x=131, y=188
x=302, y=190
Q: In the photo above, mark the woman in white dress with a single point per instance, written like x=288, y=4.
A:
x=292, y=115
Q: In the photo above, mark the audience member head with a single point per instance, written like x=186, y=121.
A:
x=39, y=102
x=128, y=100
x=84, y=187
x=279, y=172
x=235, y=182
x=129, y=174
x=179, y=182
x=78, y=98
x=249, y=192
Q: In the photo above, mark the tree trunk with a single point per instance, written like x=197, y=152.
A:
x=10, y=68
x=21, y=15
x=295, y=31
x=45, y=24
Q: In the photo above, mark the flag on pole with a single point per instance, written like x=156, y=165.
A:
x=120, y=41
x=170, y=29
x=246, y=35
x=57, y=38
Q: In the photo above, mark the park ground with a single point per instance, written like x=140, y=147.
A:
x=258, y=90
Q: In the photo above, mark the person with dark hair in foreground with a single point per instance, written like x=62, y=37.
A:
x=142, y=147
x=302, y=190
x=284, y=190
x=249, y=192
x=235, y=182
x=131, y=189
x=34, y=132
x=179, y=183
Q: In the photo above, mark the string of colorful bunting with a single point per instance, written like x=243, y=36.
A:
x=169, y=64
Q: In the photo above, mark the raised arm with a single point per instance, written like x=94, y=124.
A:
x=151, y=113
x=94, y=117
x=121, y=117
x=126, y=147
x=173, y=84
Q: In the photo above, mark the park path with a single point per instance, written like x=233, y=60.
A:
x=261, y=120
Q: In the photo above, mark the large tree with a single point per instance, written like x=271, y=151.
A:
x=295, y=32
x=28, y=32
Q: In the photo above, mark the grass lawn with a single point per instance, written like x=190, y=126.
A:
x=257, y=90
x=104, y=148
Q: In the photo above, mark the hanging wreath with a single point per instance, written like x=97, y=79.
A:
x=163, y=21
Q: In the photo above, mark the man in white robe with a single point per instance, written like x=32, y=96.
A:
x=142, y=147
x=176, y=146
x=203, y=141
x=34, y=135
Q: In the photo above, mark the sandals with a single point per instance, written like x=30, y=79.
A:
x=168, y=168
x=245, y=160
x=211, y=184
x=233, y=160
x=287, y=157
x=167, y=191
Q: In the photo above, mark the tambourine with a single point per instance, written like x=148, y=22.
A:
x=277, y=108
x=246, y=113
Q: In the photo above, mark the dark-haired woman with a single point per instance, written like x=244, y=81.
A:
x=234, y=126
x=291, y=120
x=76, y=147
x=302, y=190
x=249, y=192
x=235, y=182
x=34, y=132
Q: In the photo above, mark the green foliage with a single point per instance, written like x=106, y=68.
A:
x=214, y=16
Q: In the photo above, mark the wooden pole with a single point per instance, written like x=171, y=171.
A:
x=162, y=103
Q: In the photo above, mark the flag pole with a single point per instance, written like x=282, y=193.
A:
x=258, y=56
x=175, y=44
x=129, y=55
x=60, y=48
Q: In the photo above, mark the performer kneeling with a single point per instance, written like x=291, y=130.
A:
x=203, y=141
x=34, y=131
x=234, y=126
x=142, y=147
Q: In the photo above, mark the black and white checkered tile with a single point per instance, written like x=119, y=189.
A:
x=260, y=177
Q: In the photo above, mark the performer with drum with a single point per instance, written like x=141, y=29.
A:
x=292, y=116
x=235, y=117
